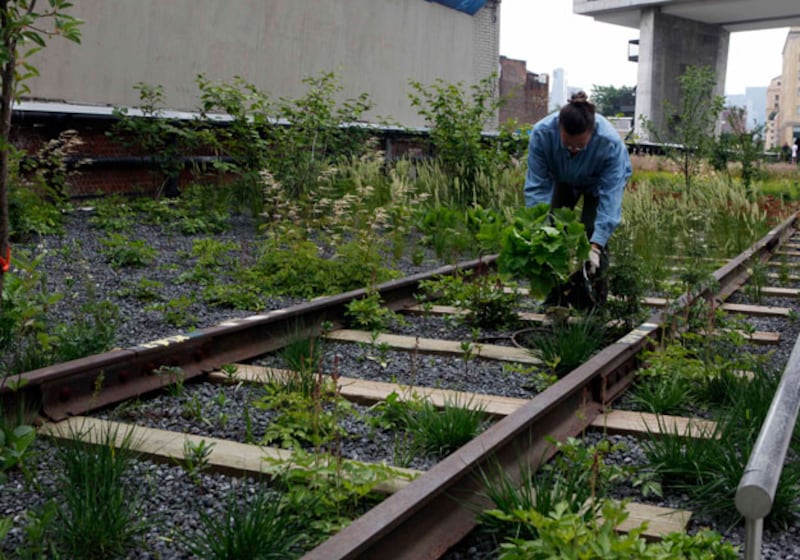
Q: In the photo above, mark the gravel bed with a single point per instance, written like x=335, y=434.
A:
x=74, y=262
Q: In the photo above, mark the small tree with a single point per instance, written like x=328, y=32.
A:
x=611, y=101
x=747, y=145
x=23, y=32
x=691, y=127
x=457, y=124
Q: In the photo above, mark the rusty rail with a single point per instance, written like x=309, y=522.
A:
x=437, y=510
x=86, y=384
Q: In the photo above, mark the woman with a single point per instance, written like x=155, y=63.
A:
x=576, y=153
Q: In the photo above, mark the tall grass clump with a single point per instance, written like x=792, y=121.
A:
x=715, y=220
x=99, y=511
x=709, y=466
x=262, y=526
x=442, y=431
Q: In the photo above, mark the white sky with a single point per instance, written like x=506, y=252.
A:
x=547, y=35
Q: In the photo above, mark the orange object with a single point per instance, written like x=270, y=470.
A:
x=6, y=262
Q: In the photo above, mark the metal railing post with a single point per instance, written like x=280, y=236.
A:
x=756, y=491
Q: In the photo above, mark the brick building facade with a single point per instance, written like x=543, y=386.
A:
x=526, y=93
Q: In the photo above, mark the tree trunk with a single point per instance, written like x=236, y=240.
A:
x=9, y=44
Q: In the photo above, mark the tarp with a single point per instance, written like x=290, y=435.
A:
x=466, y=6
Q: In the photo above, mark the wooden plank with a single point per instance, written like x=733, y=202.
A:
x=784, y=277
x=248, y=460
x=163, y=445
x=643, y=423
x=779, y=292
x=755, y=310
x=661, y=521
x=364, y=391
x=432, y=345
x=452, y=310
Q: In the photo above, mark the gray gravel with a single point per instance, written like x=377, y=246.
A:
x=170, y=495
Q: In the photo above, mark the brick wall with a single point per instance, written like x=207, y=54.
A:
x=526, y=93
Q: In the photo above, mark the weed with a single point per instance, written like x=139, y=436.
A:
x=99, y=511
x=369, y=314
x=121, y=251
x=261, y=526
x=567, y=343
x=442, y=431
x=196, y=458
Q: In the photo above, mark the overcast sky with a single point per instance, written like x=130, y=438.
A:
x=547, y=35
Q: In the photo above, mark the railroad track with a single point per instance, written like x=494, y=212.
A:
x=419, y=518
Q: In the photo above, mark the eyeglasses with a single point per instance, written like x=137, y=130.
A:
x=575, y=143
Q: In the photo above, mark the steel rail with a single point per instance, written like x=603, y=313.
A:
x=437, y=510
x=89, y=383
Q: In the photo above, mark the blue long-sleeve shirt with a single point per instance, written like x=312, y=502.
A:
x=602, y=168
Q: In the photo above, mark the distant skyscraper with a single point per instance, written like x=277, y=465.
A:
x=559, y=93
x=756, y=105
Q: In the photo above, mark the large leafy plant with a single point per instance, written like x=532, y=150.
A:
x=543, y=246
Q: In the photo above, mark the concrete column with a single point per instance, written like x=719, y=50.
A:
x=667, y=45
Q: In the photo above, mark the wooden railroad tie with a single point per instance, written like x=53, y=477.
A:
x=241, y=459
x=368, y=392
x=229, y=457
x=435, y=346
x=757, y=337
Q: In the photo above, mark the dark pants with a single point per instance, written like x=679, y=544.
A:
x=577, y=292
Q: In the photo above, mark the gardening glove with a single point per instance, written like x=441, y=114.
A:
x=593, y=262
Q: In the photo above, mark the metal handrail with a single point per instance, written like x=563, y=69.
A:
x=756, y=492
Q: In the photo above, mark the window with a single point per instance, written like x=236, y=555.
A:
x=797, y=109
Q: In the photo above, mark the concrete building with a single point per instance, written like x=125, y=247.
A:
x=788, y=124
x=773, y=101
x=560, y=89
x=783, y=97
x=525, y=93
x=374, y=47
x=674, y=34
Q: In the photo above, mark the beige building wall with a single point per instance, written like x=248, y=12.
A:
x=788, y=125
x=773, y=113
x=374, y=46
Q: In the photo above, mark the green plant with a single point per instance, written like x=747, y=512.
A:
x=691, y=126
x=230, y=371
x=543, y=247
x=196, y=458
x=457, y=122
x=367, y=313
x=304, y=419
x=565, y=534
x=662, y=395
x=38, y=526
x=567, y=342
x=144, y=289
x=262, y=526
x=156, y=137
x=99, y=509
x=176, y=311
x=123, y=251
x=318, y=133
x=304, y=357
x=92, y=332
x=442, y=431
x=15, y=442
x=329, y=491
x=24, y=31
x=173, y=377
x=577, y=478
x=483, y=299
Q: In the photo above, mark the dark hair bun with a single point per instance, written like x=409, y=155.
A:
x=579, y=97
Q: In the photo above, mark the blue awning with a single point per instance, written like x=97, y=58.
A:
x=466, y=6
